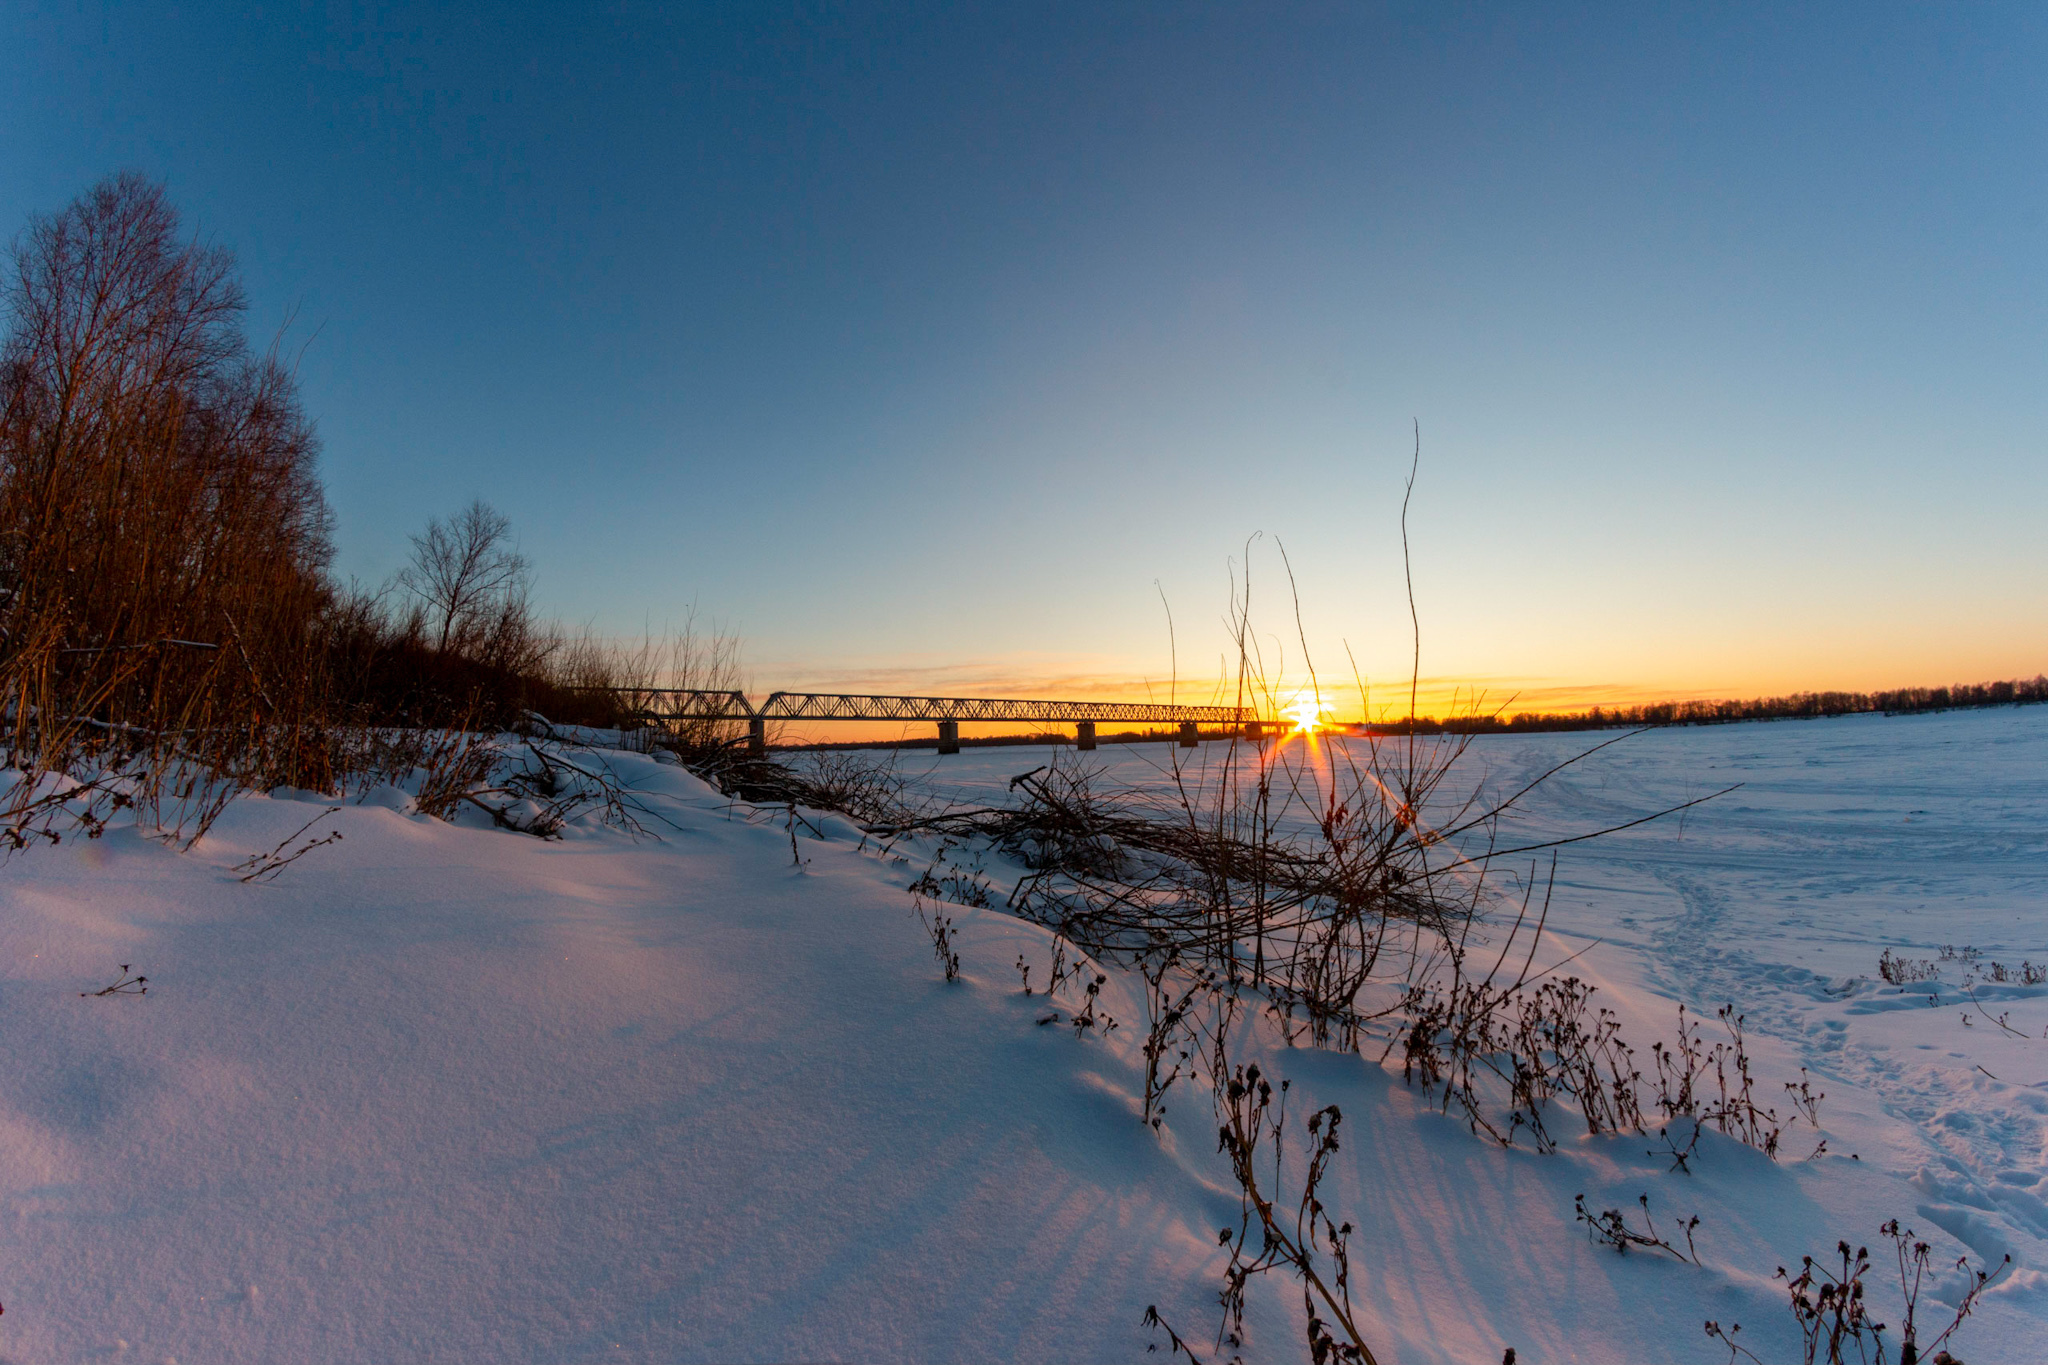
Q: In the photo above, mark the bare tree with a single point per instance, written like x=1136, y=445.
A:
x=467, y=575
x=163, y=535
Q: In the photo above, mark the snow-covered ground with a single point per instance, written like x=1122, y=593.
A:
x=448, y=1093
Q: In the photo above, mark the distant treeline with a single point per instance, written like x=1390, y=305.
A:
x=1798, y=706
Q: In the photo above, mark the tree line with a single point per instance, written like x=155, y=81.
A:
x=1797, y=706
x=166, y=546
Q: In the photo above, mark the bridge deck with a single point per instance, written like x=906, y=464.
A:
x=676, y=704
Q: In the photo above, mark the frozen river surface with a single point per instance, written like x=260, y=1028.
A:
x=1846, y=837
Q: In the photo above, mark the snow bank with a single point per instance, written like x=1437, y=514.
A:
x=447, y=1093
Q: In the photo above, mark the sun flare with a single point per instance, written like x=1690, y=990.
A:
x=1307, y=712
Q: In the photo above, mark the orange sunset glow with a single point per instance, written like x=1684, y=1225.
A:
x=1307, y=712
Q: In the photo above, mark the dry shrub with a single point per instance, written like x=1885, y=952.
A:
x=450, y=764
x=870, y=787
x=596, y=680
x=540, y=785
x=1306, y=1241
x=1900, y=971
x=867, y=786
x=1832, y=1305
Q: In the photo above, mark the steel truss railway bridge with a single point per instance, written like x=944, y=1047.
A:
x=663, y=706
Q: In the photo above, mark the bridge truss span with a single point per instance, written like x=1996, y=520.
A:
x=655, y=704
x=863, y=706
x=671, y=705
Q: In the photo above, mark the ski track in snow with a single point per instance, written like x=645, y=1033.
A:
x=1850, y=836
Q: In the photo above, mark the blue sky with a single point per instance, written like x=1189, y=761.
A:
x=936, y=343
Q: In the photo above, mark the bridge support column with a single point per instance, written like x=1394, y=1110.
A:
x=1254, y=732
x=949, y=736
x=1084, y=734
x=757, y=737
x=1189, y=736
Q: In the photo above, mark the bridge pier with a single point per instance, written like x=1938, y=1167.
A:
x=1254, y=732
x=949, y=736
x=757, y=737
x=1189, y=736
x=1084, y=734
